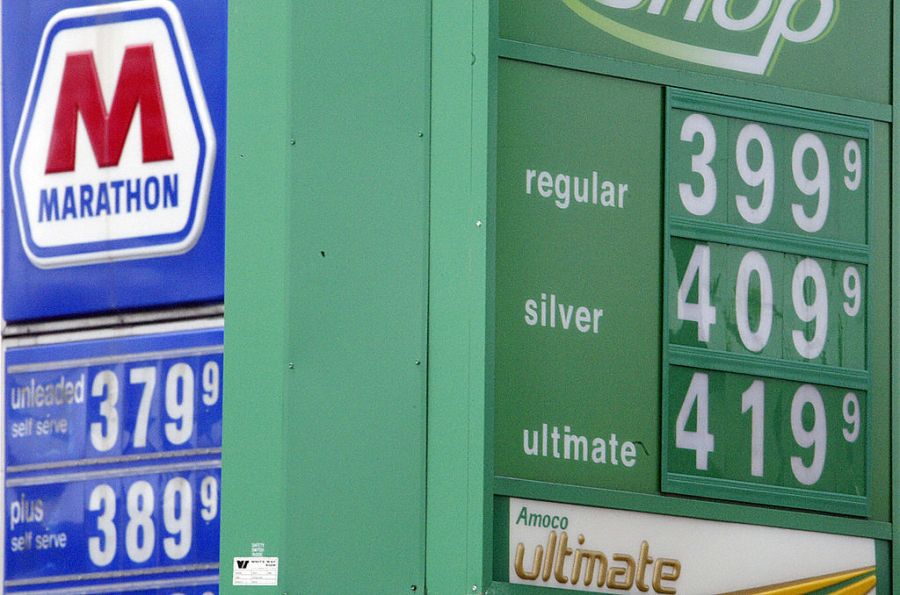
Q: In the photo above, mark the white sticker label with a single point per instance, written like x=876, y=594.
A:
x=255, y=572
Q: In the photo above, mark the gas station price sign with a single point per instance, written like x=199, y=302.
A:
x=113, y=458
x=766, y=377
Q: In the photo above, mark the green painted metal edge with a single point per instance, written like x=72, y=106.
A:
x=895, y=305
x=666, y=247
x=458, y=496
x=738, y=363
x=743, y=491
x=691, y=80
x=501, y=539
x=763, y=239
x=883, y=565
x=253, y=498
x=770, y=113
x=502, y=588
x=489, y=13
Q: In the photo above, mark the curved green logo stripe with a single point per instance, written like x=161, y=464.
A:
x=859, y=581
x=781, y=29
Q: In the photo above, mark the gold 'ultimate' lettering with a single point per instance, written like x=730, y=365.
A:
x=593, y=566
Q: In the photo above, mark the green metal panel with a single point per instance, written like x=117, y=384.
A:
x=357, y=287
x=253, y=488
x=329, y=312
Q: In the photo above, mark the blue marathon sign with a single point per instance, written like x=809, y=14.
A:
x=114, y=137
x=113, y=463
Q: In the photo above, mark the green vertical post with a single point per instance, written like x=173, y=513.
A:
x=458, y=546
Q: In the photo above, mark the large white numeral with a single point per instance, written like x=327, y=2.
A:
x=753, y=262
x=180, y=403
x=853, y=163
x=210, y=383
x=817, y=310
x=852, y=416
x=209, y=498
x=753, y=400
x=700, y=440
x=105, y=435
x=178, y=508
x=764, y=176
x=703, y=203
x=702, y=312
x=102, y=550
x=140, y=534
x=853, y=291
x=817, y=437
x=819, y=184
x=147, y=377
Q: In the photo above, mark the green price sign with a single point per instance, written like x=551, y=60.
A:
x=766, y=367
x=577, y=279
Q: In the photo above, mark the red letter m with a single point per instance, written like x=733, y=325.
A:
x=80, y=92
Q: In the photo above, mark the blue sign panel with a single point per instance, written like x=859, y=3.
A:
x=135, y=397
x=114, y=132
x=113, y=459
x=111, y=523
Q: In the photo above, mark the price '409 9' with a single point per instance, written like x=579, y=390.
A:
x=758, y=295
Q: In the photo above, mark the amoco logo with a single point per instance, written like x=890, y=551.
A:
x=113, y=158
x=767, y=25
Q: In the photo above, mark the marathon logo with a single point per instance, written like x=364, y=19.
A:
x=114, y=153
